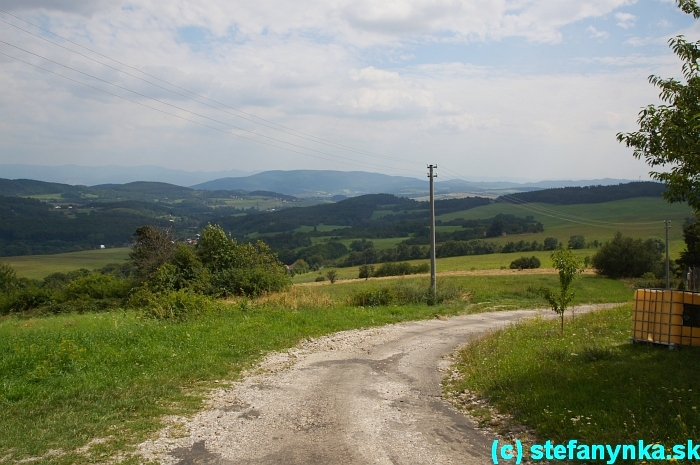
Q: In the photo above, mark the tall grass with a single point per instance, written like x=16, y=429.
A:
x=590, y=384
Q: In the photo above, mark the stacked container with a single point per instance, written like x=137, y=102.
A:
x=666, y=317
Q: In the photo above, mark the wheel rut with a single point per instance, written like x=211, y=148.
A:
x=356, y=397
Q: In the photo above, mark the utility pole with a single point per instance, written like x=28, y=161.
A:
x=667, y=226
x=433, y=277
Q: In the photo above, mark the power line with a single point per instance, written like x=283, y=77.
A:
x=190, y=120
x=188, y=111
x=284, y=129
x=563, y=216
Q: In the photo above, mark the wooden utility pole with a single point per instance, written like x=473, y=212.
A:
x=433, y=276
x=667, y=226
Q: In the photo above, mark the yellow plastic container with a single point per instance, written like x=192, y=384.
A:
x=666, y=317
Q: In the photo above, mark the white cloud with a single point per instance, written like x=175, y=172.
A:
x=321, y=68
x=625, y=20
x=596, y=33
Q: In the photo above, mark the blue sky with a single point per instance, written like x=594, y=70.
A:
x=518, y=89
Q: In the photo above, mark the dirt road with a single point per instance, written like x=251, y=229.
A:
x=357, y=397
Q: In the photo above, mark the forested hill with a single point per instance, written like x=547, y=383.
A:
x=356, y=211
x=588, y=194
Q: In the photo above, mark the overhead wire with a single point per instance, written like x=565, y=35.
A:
x=566, y=217
x=258, y=120
x=191, y=120
x=275, y=126
x=191, y=112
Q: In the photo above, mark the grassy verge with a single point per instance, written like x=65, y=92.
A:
x=40, y=266
x=71, y=379
x=590, y=384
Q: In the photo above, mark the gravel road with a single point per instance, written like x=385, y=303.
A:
x=356, y=397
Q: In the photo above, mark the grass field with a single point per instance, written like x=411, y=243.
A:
x=467, y=262
x=643, y=209
x=589, y=384
x=40, y=266
x=67, y=380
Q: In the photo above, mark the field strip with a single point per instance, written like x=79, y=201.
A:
x=494, y=272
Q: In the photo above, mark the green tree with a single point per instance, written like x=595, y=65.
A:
x=550, y=243
x=332, y=275
x=239, y=269
x=691, y=256
x=570, y=268
x=669, y=134
x=8, y=278
x=151, y=249
x=625, y=257
x=577, y=242
x=366, y=271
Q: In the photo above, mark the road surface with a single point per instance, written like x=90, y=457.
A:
x=352, y=398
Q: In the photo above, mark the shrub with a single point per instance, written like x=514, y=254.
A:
x=300, y=267
x=624, y=257
x=524, y=263
x=405, y=294
x=577, y=242
x=239, y=269
x=178, y=305
x=97, y=286
x=550, y=243
x=8, y=278
x=400, y=269
x=152, y=248
x=320, y=279
x=24, y=299
x=332, y=275
x=366, y=271
x=373, y=297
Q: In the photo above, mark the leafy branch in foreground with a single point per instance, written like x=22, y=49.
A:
x=669, y=134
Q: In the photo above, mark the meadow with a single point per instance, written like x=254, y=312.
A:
x=597, y=221
x=589, y=383
x=67, y=380
x=40, y=266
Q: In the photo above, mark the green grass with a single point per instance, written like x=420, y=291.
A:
x=590, y=384
x=40, y=266
x=643, y=209
x=466, y=262
x=66, y=380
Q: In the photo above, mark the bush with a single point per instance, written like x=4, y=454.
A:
x=550, y=243
x=8, y=278
x=405, y=294
x=178, y=305
x=366, y=271
x=624, y=257
x=577, y=242
x=400, y=269
x=320, y=279
x=524, y=263
x=239, y=269
x=24, y=299
x=97, y=286
x=332, y=275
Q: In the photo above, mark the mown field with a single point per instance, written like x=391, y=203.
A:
x=638, y=210
x=616, y=215
x=70, y=379
x=40, y=266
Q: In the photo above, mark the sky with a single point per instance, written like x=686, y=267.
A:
x=485, y=89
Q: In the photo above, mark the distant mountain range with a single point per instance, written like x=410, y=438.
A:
x=112, y=174
x=307, y=183
x=353, y=183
